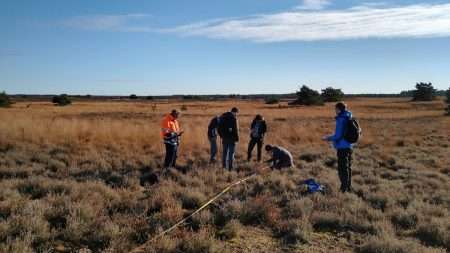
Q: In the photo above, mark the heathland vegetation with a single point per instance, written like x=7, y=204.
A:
x=74, y=178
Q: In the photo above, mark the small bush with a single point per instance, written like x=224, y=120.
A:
x=61, y=100
x=201, y=242
x=260, y=210
x=230, y=230
x=326, y=222
x=164, y=244
x=4, y=100
x=387, y=245
x=231, y=210
x=184, y=108
x=294, y=231
x=33, y=188
x=299, y=208
x=404, y=220
x=434, y=234
x=378, y=201
x=192, y=199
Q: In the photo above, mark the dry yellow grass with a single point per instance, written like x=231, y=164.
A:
x=70, y=180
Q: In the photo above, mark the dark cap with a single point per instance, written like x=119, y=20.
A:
x=235, y=110
x=175, y=112
x=268, y=147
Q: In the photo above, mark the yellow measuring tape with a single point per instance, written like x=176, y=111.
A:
x=141, y=248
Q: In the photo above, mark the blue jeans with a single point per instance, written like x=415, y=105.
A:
x=229, y=149
x=213, y=144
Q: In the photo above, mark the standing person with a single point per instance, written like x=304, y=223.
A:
x=229, y=132
x=171, y=132
x=212, y=137
x=258, y=130
x=280, y=157
x=345, y=134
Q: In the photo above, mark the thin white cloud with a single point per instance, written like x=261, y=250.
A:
x=313, y=4
x=364, y=21
x=119, y=23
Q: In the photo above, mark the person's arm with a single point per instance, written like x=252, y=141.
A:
x=210, y=128
x=219, y=127
x=339, y=131
x=253, y=124
x=236, y=130
x=263, y=128
x=269, y=161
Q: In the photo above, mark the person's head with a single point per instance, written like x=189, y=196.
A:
x=175, y=113
x=258, y=117
x=340, y=107
x=268, y=148
x=234, y=111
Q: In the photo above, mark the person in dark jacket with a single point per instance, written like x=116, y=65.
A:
x=228, y=130
x=280, y=157
x=343, y=147
x=212, y=137
x=258, y=130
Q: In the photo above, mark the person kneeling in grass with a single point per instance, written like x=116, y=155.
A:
x=280, y=157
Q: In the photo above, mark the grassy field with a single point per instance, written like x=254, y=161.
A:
x=70, y=180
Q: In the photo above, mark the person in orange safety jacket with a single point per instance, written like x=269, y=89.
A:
x=171, y=132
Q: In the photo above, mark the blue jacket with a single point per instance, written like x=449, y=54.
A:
x=338, y=138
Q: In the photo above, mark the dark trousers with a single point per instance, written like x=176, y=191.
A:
x=228, y=154
x=345, y=168
x=213, y=146
x=251, y=145
x=171, y=155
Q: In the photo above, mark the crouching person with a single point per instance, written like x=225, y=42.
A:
x=280, y=157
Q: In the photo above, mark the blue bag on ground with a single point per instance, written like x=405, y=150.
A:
x=313, y=186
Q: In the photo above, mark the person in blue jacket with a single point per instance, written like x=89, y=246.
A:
x=343, y=147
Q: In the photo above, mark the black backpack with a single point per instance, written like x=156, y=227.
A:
x=352, y=131
x=226, y=127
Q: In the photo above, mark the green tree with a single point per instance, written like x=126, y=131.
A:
x=424, y=92
x=307, y=96
x=332, y=95
x=61, y=100
x=4, y=100
x=133, y=96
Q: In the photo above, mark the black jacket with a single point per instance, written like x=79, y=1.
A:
x=228, y=128
x=258, y=129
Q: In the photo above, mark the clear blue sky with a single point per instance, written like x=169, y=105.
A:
x=120, y=47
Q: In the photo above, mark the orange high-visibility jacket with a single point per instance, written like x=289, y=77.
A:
x=169, y=125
